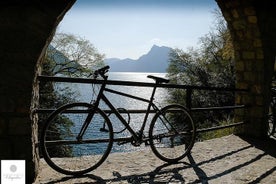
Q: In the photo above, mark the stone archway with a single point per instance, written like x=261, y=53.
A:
x=27, y=26
x=252, y=26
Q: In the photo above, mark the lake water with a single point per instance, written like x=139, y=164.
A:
x=86, y=94
x=85, y=90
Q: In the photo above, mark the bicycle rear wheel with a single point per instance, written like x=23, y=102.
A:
x=59, y=144
x=172, y=133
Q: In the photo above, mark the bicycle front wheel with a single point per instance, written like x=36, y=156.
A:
x=61, y=148
x=172, y=133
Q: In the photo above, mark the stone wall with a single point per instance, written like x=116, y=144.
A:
x=254, y=57
x=26, y=27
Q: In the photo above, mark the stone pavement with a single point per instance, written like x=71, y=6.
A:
x=230, y=159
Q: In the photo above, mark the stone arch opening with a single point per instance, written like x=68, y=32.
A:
x=27, y=26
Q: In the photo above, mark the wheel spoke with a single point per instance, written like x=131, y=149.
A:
x=172, y=133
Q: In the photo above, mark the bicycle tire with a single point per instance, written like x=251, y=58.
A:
x=172, y=133
x=60, y=147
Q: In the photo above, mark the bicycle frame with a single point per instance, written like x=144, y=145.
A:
x=101, y=96
x=174, y=132
x=118, y=115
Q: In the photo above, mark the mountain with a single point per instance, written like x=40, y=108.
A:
x=156, y=60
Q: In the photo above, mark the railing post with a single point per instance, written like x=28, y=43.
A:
x=189, y=98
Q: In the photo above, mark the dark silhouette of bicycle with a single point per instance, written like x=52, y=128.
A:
x=78, y=137
x=272, y=113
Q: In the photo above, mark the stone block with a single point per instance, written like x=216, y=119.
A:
x=252, y=19
x=249, y=66
x=248, y=55
x=239, y=76
x=247, y=99
x=232, y=4
x=239, y=65
x=237, y=100
x=259, y=54
x=249, y=37
x=257, y=43
x=235, y=13
x=239, y=25
x=242, y=85
x=249, y=76
x=249, y=11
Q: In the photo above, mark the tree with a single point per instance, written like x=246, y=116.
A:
x=67, y=55
x=72, y=56
x=212, y=64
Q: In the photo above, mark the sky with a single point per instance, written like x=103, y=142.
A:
x=129, y=28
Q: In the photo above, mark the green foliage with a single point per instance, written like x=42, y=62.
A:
x=210, y=65
x=220, y=132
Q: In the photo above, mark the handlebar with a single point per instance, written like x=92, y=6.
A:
x=102, y=71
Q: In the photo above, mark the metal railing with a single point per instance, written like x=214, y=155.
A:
x=189, y=91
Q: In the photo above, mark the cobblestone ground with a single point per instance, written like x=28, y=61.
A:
x=229, y=159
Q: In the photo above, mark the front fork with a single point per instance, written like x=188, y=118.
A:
x=85, y=125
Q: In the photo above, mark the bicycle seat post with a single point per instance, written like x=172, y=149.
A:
x=149, y=106
x=158, y=80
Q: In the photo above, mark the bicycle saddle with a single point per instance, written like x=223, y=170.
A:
x=158, y=80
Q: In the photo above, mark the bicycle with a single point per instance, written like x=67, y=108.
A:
x=272, y=114
x=85, y=144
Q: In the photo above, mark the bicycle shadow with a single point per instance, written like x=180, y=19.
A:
x=190, y=171
x=161, y=174
x=164, y=173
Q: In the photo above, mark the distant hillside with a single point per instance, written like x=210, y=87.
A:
x=156, y=60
